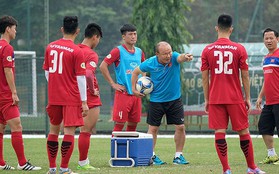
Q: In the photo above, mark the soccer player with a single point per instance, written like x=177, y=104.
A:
x=64, y=67
x=9, y=101
x=269, y=118
x=92, y=36
x=222, y=61
x=127, y=107
x=165, y=99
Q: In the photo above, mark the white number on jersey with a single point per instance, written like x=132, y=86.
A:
x=223, y=66
x=56, y=61
x=120, y=115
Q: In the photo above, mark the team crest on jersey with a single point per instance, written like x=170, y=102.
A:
x=109, y=56
x=133, y=64
x=82, y=65
x=93, y=64
x=9, y=58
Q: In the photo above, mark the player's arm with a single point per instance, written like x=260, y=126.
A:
x=90, y=81
x=246, y=86
x=47, y=75
x=11, y=82
x=186, y=57
x=260, y=98
x=205, y=85
x=134, y=79
x=105, y=71
x=82, y=90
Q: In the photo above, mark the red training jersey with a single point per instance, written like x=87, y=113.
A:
x=91, y=62
x=64, y=60
x=6, y=61
x=224, y=59
x=271, y=78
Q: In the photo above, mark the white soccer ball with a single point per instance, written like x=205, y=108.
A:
x=144, y=85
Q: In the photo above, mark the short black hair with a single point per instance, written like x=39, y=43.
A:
x=6, y=21
x=127, y=27
x=93, y=29
x=70, y=24
x=270, y=30
x=225, y=21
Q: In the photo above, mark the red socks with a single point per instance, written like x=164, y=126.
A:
x=67, y=150
x=17, y=143
x=131, y=127
x=118, y=127
x=83, y=145
x=221, y=149
x=247, y=148
x=52, y=149
x=2, y=161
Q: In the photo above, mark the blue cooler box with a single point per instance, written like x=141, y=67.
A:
x=130, y=149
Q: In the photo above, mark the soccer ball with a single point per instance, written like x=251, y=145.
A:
x=144, y=85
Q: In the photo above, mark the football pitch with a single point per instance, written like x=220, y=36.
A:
x=200, y=152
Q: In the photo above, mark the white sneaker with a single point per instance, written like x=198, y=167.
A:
x=7, y=167
x=28, y=166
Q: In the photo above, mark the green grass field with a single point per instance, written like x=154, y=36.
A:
x=199, y=151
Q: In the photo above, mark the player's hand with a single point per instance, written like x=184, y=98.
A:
x=15, y=99
x=188, y=57
x=248, y=106
x=85, y=109
x=96, y=92
x=118, y=87
x=259, y=104
x=206, y=107
x=137, y=93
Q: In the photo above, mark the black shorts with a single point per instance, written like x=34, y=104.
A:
x=173, y=110
x=269, y=119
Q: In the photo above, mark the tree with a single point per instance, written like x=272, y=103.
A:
x=158, y=20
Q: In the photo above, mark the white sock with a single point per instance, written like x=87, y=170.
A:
x=83, y=162
x=177, y=154
x=52, y=169
x=153, y=153
x=64, y=169
x=271, y=152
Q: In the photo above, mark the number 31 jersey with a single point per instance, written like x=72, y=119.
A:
x=224, y=59
x=64, y=60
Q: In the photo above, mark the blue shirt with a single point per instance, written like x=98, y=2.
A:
x=128, y=62
x=166, y=78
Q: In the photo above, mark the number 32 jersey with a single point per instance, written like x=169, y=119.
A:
x=64, y=60
x=224, y=59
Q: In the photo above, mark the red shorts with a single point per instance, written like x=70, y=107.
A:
x=8, y=111
x=70, y=115
x=220, y=114
x=127, y=108
x=93, y=101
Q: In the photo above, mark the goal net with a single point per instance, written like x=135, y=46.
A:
x=26, y=81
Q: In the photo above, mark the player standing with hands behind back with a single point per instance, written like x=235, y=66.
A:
x=64, y=67
x=221, y=62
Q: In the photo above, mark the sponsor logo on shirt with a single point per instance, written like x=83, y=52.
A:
x=129, y=71
x=9, y=58
x=223, y=47
x=93, y=64
x=62, y=48
x=268, y=71
x=82, y=65
x=109, y=56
